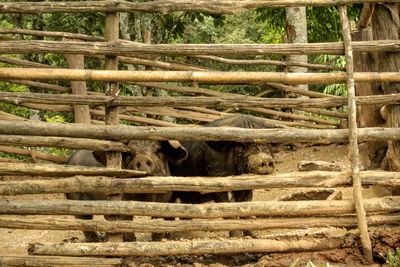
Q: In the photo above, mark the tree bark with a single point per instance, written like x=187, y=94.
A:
x=203, y=211
x=162, y=226
x=124, y=132
x=122, y=48
x=63, y=170
x=17, y=260
x=81, y=112
x=313, y=179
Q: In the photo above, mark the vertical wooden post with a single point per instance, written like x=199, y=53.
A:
x=81, y=112
x=354, y=153
x=111, y=33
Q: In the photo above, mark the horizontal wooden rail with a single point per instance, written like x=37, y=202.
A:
x=185, y=247
x=63, y=170
x=216, y=77
x=125, y=132
x=200, y=184
x=162, y=226
x=209, y=210
x=34, y=154
x=187, y=101
x=122, y=48
x=22, y=260
x=62, y=142
x=163, y=6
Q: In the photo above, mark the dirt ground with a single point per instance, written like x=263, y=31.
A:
x=14, y=241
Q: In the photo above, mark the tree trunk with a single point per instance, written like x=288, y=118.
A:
x=296, y=30
x=384, y=25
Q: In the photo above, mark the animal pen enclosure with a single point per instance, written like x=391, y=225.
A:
x=300, y=128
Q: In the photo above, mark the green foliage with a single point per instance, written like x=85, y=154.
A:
x=338, y=61
x=14, y=156
x=393, y=259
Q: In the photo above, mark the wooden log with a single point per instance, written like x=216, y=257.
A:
x=270, y=62
x=162, y=226
x=160, y=64
x=122, y=48
x=353, y=138
x=326, y=112
x=46, y=86
x=81, y=112
x=184, y=247
x=63, y=170
x=11, y=117
x=10, y=160
x=316, y=179
x=124, y=132
x=20, y=62
x=184, y=101
x=33, y=153
x=164, y=6
x=306, y=165
x=68, y=35
x=62, y=142
x=209, y=210
x=22, y=260
x=177, y=113
x=292, y=89
x=295, y=116
x=217, y=93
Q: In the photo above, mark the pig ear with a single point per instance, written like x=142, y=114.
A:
x=219, y=146
x=100, y=156
x=174, y=151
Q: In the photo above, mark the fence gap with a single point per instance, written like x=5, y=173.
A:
x=354, y=153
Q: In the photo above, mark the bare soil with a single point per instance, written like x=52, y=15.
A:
x=16, y=241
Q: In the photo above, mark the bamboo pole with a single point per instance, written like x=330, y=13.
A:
x=313, y=179
x=63, y=170
x=163, y=6
x=125, y=132
x=161, y=226
x=22, y=260
x=216, y=77
x=354, y=153
x=62, y=142
x=202, y=211
x=123, y=48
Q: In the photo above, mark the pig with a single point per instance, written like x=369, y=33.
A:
x=224, y=158
x=152, y=157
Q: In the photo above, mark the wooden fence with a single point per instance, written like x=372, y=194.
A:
x=356, y=213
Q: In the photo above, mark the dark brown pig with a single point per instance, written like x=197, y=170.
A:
x=224, y=158
x=151, y=157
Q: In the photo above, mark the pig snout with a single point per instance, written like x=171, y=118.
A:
x=143, y=163
x=261, y=163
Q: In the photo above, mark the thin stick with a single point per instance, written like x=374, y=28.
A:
x=354, y=154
